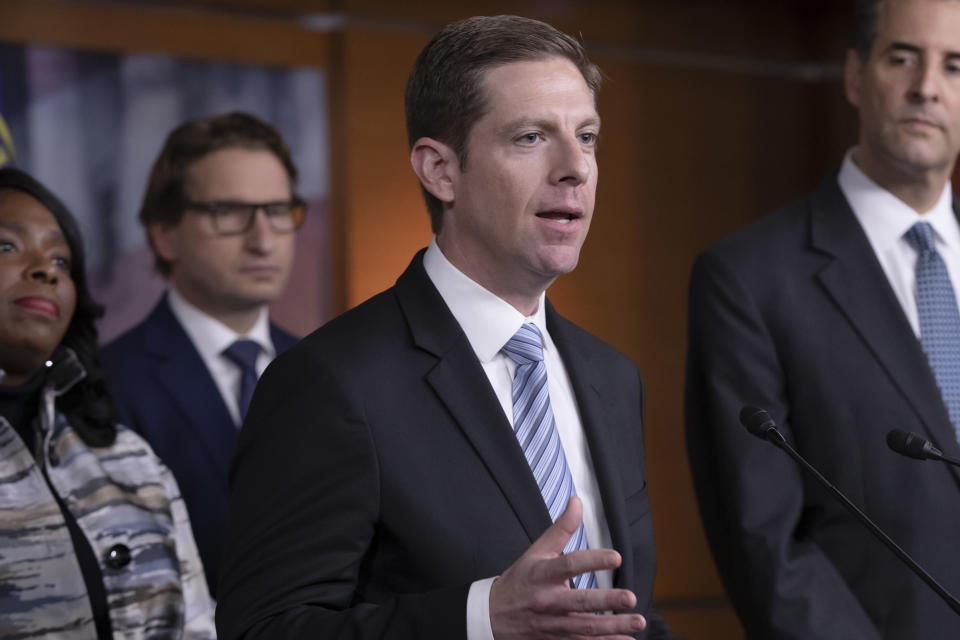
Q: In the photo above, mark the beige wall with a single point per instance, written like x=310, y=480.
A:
x=708, y=122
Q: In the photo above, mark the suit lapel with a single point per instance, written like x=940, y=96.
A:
x=856, y=282
x=183, y=375
x=584, y=376
x=464, y=389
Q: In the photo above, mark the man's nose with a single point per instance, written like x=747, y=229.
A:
x=925, y=86
x=571, y=161
x=260, y=237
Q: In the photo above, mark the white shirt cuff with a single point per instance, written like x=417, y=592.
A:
x=478, y=610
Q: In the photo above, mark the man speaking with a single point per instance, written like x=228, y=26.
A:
x=452, y=458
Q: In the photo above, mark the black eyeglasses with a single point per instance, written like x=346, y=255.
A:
x=233, y=218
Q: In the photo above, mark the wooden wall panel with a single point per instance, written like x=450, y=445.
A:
x=384, y=215
x=185, y=31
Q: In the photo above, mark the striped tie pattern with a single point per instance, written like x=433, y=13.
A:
x=939, y=317
x=536, y=431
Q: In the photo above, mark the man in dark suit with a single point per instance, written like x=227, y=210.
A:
x=820, y=314
x=220, y=215
x=379, y=489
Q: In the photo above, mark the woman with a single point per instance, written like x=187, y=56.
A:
x=94, y=538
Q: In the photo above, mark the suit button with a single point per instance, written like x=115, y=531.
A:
x=118, y=556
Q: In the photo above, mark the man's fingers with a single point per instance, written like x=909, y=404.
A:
x=572, y=564
x=593, y=600
x=555, y=538
x=592, y=626
x=574, y=601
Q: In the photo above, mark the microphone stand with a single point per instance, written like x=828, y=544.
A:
x=775, y=437
x=942, y=458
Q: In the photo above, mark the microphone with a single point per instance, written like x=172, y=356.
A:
x=909, y=444
x=759, y=423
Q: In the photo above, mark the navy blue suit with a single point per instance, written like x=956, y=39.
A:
x=165, y=392
x=794, y=314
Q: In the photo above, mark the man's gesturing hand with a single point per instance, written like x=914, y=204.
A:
x=533, y=598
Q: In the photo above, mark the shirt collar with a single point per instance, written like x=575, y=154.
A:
x=884, y=217
x=209, y=335
x=487, y=320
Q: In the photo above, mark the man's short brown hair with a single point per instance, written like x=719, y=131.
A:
x=166, y=195
x=445, y=95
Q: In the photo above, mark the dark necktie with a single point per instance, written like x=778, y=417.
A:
x=939, y=317
x=244, y=354
x=536, y=430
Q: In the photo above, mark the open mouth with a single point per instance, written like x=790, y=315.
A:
x=558, y=216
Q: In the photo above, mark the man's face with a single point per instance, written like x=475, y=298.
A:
x=226, y=274
x=523, y=202
x=908, y=90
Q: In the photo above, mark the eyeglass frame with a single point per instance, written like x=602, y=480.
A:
x=210, y=207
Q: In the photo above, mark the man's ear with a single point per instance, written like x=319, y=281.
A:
x=161, y=237
x=437, y=166
x=852, y=77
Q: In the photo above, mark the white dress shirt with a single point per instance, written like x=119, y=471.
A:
x=885, y=219
x=489, y=322
x=210, y=338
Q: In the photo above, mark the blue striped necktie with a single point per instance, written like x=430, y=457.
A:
x=536, y=431
x=939, y=317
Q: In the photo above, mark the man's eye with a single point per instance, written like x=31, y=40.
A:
x=900, y=60
x=278, y=209
x=588, y=138
x=528, y=138
x=227, y=210
x=7, y=246
x=62, y=262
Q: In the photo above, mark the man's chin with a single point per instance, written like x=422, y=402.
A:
x=560, y=261
x=922, y=156
x=253, y=297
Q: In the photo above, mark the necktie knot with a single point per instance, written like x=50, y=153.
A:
x=244, y=353
x=920, y=237
x=526, y=345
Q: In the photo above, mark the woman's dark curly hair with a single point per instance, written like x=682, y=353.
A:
x=88, y=404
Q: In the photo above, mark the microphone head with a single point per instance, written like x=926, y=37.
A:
x=910, y=444
x=757, y=421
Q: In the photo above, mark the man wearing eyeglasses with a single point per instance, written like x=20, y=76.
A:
x=220, y=215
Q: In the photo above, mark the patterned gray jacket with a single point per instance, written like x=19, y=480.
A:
x=128, y=505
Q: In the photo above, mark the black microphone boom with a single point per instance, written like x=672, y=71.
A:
x=759, y=423
x=913, y=446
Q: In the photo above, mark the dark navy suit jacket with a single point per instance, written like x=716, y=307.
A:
x=165, y=392
x=795, y=315
x=377, y=477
